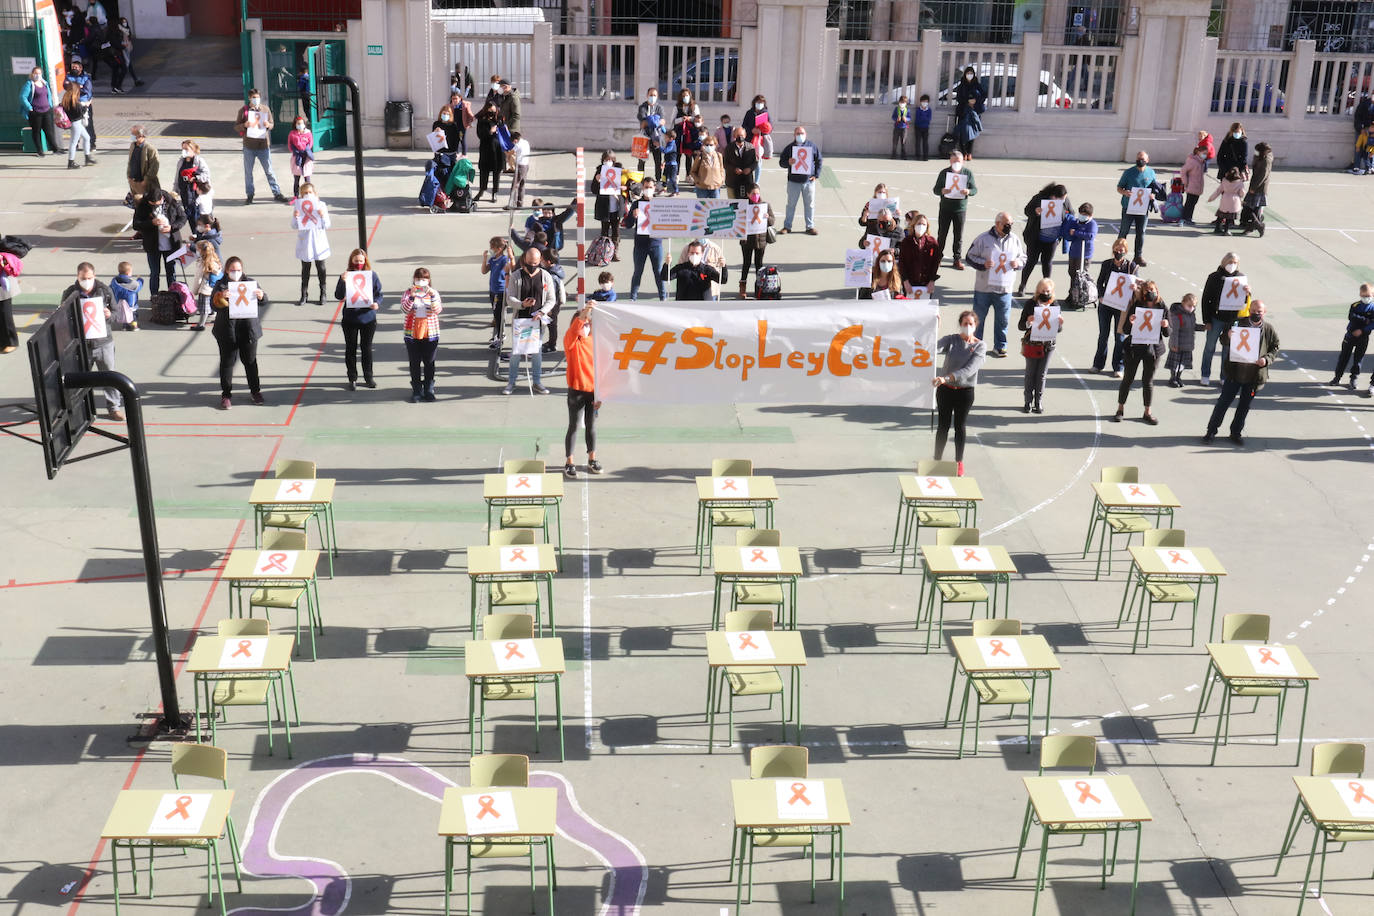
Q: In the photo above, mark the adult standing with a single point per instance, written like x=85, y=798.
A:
x=648, y=250
x=1257, y=195
x=489, y=152
x=708, y=170
x=1217, y=321
x=1109, y=315
x=954, y=203
x=509, y=106
x=802, y=159
x=1037, y=352
x=753, y=245
x=237, y=338
x=1041, y=241
x=609, y=209
x=1234, y=152
x=102, y=349
x=1364, y=112
x=577, y=344
x=970, y=90
x=1194, y=175
x=158, y=218
x=359, y=321
x=694, y=276
x=37, y=100
x=254, y=124
x=997, y=255
x=310, y=219
x=684, y=115
x=954, y=386
x=1245, y=378
x=649, y=114
x=968, y=129
x=1140, y=356
x=82, y=79
x=126, y=48
x=1139, y=175
x=193, y=182
x=741, y=164
x=142, y=170
x=758, y=129
x=918, y=256
x=531, y=297
x=80, y=129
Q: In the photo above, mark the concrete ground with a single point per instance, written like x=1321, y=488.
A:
x=1288, y=515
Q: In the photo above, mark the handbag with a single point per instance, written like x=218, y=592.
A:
x=771, y=235
x=1032, y=350
x=503, y=138
x=59, y=116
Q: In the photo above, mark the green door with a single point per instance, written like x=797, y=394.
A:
x=330, y=100
x=14, y=126
x=281, y=93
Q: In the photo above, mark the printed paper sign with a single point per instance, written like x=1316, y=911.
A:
x=1358, y=795
x=802, y=799
x=756, y=219
x=492, y=812
x=1051, y=212
x=956, y=185
x=419, y=308
x=688, y=217
x=1179, y=560
x=609, y=186
x=750, y=645
x=180, y=813
x=275, y=562
x=973, y=558
x=246, y=652
x=1090, y=799
x=1233, y=293
x=1271, y=661
x=858, y=268
x=639, y=148
x=515, y=654
x=1138, y=202
x=920, y=292
x=727, y=487
x=879, y=204
x=93, y=324
x=876, y=243
x=760, y=559
x=1120, y=287
x=309, y=213
x=880, y=295
x=802, y=160
x=182, y=254
x=288, y=490
x=357, y=289
x=1145, y=325
x=437, y=140
x=1141, y=493
x=935, y=487
x=1044, y=323
x=243, y=299
x=514, y=559
x=1001, y=651
x=253, y=125
x=1245, y=344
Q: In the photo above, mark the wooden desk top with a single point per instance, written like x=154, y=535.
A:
x=530, y=486
x=1338, y=799
x=292, y=492
x=970, y=560
x=535, y=811
x=1136, y=496
x=542, y=656
x=762, y=802
x=531, y=559
x=1120, y=802
x=1277, y=662
x=756, y=561
x=251, y=563
x=988, y=654
x=713, y=488
x=938, y=488
x=229, y=655
x=1176, y=561
x=168, y=814
x=761, y=648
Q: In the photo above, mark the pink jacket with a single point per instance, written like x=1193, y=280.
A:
x=299, y=140
x=1194, y=173
x=1230, y=193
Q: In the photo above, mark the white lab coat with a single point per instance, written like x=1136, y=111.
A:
x=312, y=242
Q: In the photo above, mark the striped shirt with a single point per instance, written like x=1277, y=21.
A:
x=428, y=326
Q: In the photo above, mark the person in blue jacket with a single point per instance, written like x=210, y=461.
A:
x=77, y=74
x=359, y=323
x=1358, y=324
x=1138, y=176
x=920, y=124
x=1079, y=234
x=901, y=121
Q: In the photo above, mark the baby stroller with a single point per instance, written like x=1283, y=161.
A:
x=432, y=193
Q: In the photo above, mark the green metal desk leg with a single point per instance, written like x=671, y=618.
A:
x=1225, y=712
x=472, y=701
x=710, y=711
x=841, y=870
x=1307, y=876
x=1049, y=695
x=796, y=697
x=949, y=699
x=213, y=853
x=558, y=709
x=558, y=516
x=1216, y=588
x=1135, y=874
x=1302, y=722
x=195, y=699
x=1040, y=873
x=548, y=581
x=472, y=604
x=553, y=880
x=448, y=873
x=715, y=603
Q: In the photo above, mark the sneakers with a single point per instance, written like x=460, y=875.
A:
x=280, y=198
x=549, y=347
x=594, y=466
x=812, y=231
x=999, y=353
x=352, y=385
x=508, y=391
x=248, y=199
x=1037, y=409
x=570, y=471
x=257, y=398
x=371, y=383
x=1209, y=436
x=494, y=343
x=540, y=389
x=1205, y=381
x=428, y=397
x=225, y=404
x=415, y=397
x=1237, y=438
x=784, y=231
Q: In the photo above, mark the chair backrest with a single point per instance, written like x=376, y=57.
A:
x=778, y=761
x=202, y=760
x=243, y=626
x=1340, y=758
x=1165, y=537
x=998, y=626
x=758, y=537
x=748, y=619
x=1077, y=751
x=498, y=770
x=732, y=467
x=508, y=537
x=523, y=466
x=956, y=537
x=1238, y=627
x=1121, y=474
x=508, y=626
x=284, y=539
x=937, y=468
x=295, y=469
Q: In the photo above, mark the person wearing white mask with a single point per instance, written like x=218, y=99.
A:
x=758, y=128
x=650, y=118
x=1358, y=325
x=577, y=344
x=1245, y=379
x=920, y=125
x=802, y=159
x=421, y=305
x=648, y=250
x=254, y=124
x=531, y=297
x=964, y=354
x=694, y=276
x=237, y=337
x=1217, y=321
x=37, y=100
x=310, y=219
x=102, y=349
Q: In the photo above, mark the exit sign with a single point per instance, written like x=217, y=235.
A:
x=374, y=50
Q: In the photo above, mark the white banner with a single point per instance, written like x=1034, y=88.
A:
x=825, y=352
x=695, y=218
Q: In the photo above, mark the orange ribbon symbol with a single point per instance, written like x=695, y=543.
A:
x=522, y=482
x=1136, y=491
x=1049, y=208
x=513, y=651
x=245, y=649
x=1234, y=292
x=1176, y=557
x=746, y=641
x=799, y=794
x=1146, y=317
x=1085, y=792
x=728, y=484
x=801, y=161
x=1360, y=795
x=971, y=554
x=1139, y=196
x=933, y=484
x=88, y=311
x=758, y=557
x=242, y=298
x=295, y=488
x=276, y=561
x=1045, y=319
x=1002, y=262
x=307, y=212
x=517, y=553
x=1267, y=657
x=997, y=648
x=1243, y=340
x=1120, y=285
x=183, y=808
x=488, y=806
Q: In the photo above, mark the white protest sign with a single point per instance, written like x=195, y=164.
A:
x=524, y=484
x=858, y=268
x=437, y=140
x=515, y=559
x=291, y=489
x=803, y=161
x=1138, y=493
x=760, y=559
x=254, y=125
x=275, y=562
x=1120, y=287
x=756, y=220
x=750, y=645
x=920, y=292
x=1233, y=293
x=727, y=487
x=243, y=653
x=182, y=254
x=935, y=487
x=515, y=655
x=357, y=289
x=877, y=243
x=243, y=299
x=802, y=799
x=642, y=222
x=609, y=185
x=1358, y=795
x=1051, y=212
x=880, y=295
x=1001, y=651
x=973, y=558
x=1146, y=325
x=1090, y=799
x=309, y=213
x=1271, y=660
x=879, y=204
x=1244, y=344
x=956, y=185
x=93, y=324
x=1044, y=323
x=493, y=812
x=1179, y=560
x=1138, y=202
x=688, y=217
x=180, y=813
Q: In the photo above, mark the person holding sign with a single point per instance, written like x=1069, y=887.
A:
x=95, y=305
x=741, y=165
x=421, y=305
x=708, y=171
x=530, y=296
x=648, y=250
x=310, y=219
x=237, y=337
x=1044, y=226
x=1135, y=178
x=997, y=255
x=1113, y=293
x=955, y=185
x=360, y=290
x=918, y=257
x=649, y=114
x=755, y=242
x=1225, y=294
x=159, y=218
x=254, y=124
x=954, y=385
x=1144, y=323
x=885, y=282
x=1042, y=323
x=693, y=275
x=802, y=159
x=1254, y=347
x=610, y=200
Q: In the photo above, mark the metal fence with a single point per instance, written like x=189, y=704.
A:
x=593, y=68
x=303, y=15
x=1246, y=82
x=708, y=69
x=1338, y=81
x=980, y=21
x=1074, y=79
x=877, y=73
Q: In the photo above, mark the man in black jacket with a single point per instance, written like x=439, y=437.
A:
x=741, y=159
x=694, y=277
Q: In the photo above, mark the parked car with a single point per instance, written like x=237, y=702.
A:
x=1238, y=97
x=710, y=79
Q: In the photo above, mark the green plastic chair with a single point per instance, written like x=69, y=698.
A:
x=1331, y=758
x=1242, y=628
x=997, y=626
x=530, y=517
x=1162, y=591
x=514, y=593
x=502, y=689
x=297, y=520
x=249, y=691
x=495, y=771
x=750, y=681
x=735, y=517
x=288, y=597
x=955, y=589
x=911, y=518
x=767, y=593
x=1109, y=524
x=1077, y=752
x=779, y=761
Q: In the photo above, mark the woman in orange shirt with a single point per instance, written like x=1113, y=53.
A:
x=577, y=346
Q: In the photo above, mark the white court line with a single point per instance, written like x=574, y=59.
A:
x=587, y=721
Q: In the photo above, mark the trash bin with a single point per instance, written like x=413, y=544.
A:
x=398, y=116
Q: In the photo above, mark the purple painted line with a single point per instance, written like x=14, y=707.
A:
x=629, y=873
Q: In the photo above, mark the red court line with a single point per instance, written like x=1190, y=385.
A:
x=305, y=383
x=166, y=575
x=373, y=234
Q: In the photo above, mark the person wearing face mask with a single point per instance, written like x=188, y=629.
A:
x=1144, y=357
x=78, y=75
x=741, y=162
x=970, y=93
x=752, y=246
x=577, y=344
x=142, y=170
x=1038, y=352
x=310, y=219
x=684, y=113
x=964, y=354
x=124, y=47
x=237, y=338
x=461, y=118
x=885, y=281
x=954, y=204
x=1359, y=323
x=802, y=159
x=648, y=250
x=694, y=276
x=254, y=124
x=758, y=129
x=1244, y=378
x=1194, y=175
x=1257, y=194
x=1079, y=235
x=1234, y=152
x=609, y=209
x=1108, y=315
x=37, y=101
x=493, y=90
x=490, y=155
x=193, y=182
x=101, y=349
x=901, y=124
x=694, y=134
x=868, y=216
x=885, y=226
x=530, y=295
x=158, y=218
x=918, y=256
x=359, y=322
x=421, y=306
x=300, y=145
x=1215, y=320
x=1138, y=176
x=509, y=106
x=1041, y=242
x=920, y=130
x=649, y=114
x=708, y=171
x=997, y=255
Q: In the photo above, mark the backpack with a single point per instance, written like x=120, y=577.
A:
x=13, y=244
x=1172, y=211
x=430, y=188
x=1082, y=291
x=768, y=284
x=463, y=201
x=185, y=301
x=600, y=252
x=947, y=144
x=165, y=307
x=10, y=266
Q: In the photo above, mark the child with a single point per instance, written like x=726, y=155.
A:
x=693, y=132
x=1078, y=233
x=724, y=132
x=521, y=153
x=208, y=272
x=1231, y=190
x=901, y=120
x=1364, y=152
x=310, y=219
x=496, y=261
x=1182, y=328
x=921, y=124
x=549, y=261
x=581, y=390
x=421, y=306
x=193, y=181
x=1358, y=324
x=207, y=230
x=605, y=291
x=125, y=290
x=670, y=161
x=300, y=143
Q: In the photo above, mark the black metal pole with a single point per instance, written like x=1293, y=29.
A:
x=147, y=527
x=357, y=151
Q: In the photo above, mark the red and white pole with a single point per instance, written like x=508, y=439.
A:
x=581, y=230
